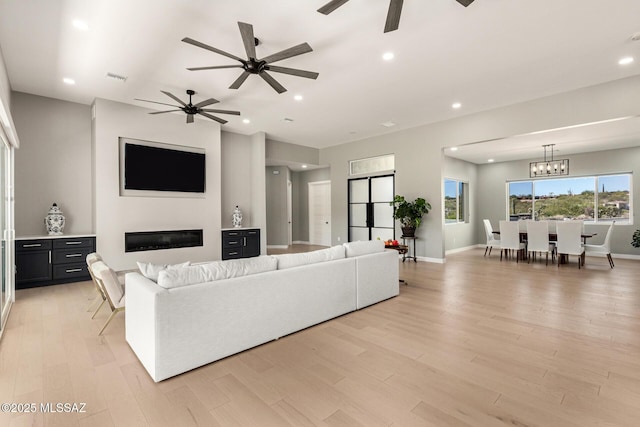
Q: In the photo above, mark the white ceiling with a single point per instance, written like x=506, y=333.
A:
x=491, y=54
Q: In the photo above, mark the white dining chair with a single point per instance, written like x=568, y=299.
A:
x=604, y=248
x=97, y=304
x=510, y=239
x=491, y=238
x=538, y=240
x=113, y=289
x=569, y=241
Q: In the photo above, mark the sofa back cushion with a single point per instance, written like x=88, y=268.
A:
x=151, y=271
x=216, y=270
x=363, y=247
x=294, y=260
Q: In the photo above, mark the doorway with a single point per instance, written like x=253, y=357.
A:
x=320, y=213
x=370, y=208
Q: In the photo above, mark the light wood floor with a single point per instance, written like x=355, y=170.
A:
x=473, y=342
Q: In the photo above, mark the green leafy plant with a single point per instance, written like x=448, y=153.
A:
x=635, y=242
x=410, y=213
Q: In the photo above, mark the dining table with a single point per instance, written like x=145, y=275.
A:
x=553, y=236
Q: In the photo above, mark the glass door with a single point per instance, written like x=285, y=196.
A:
x=370, y=209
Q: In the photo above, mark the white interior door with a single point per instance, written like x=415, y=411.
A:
x=320, y=213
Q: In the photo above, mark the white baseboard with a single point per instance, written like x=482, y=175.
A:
x=277, y=247
x=614, y=256
x=301, y=242
x=429, y=259
x=463, y=249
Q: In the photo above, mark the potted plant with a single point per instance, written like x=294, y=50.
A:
x=409, y=213
x=635, y=240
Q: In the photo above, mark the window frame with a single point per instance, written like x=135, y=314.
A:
x=461, y=187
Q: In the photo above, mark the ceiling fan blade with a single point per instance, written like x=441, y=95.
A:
x=155, y=102
x=246, y=31
x=240, y=80
x=190, y=118
x=331, y=6
x=235, y=113
x=206, y=102
x=215, y=67
x=393, y=16
x=217, y=119
x=161, y=112
x=465, y=3
x=272, y=82
x=288, y=53
x=211, y=48
x=293, y=72
x=175, y=98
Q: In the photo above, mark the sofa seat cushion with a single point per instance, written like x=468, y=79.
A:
x=294, y=260
x=363, y=247
x=216, y=270
x=151, y=271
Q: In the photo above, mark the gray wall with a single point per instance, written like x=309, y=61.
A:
x=301, y=182
x=492, y=180
x=276, y=201
x=461, y=235
x=419, y=158
x=53, y=163
x=236, y=172
x=283, y=152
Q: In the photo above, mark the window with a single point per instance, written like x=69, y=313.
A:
x=455, y=201
x=372, y=165
x=594, y=198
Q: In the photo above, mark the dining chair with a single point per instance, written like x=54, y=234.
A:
x=604, y=248
x=569, y=241
x=538, y=240
x=510, y=239
x=114, y=291
x=98, y=302
x=491, y=238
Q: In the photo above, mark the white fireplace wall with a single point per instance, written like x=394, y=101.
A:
x=115, y=215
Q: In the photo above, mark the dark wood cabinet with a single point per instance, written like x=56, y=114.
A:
x=244, y=243
x=49, y=261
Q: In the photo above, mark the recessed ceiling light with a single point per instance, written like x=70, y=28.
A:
x=69, y=81
x=116, y=77
x=304, y=166
x=387, y=124
x=626, y=60
x=454, y=148
x=246, y=121
x=388, y=56
x=491, y=160
x=80, y=25
x=298, y=97
x=456, y=105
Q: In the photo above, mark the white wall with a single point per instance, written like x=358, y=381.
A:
x=53, y=163
x=419, y=157
x=236, y=172
x=116, y=215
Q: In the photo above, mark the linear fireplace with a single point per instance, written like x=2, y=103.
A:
x=155, y=240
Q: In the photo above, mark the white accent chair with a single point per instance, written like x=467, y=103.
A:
x=113, y=289
x=538, y=239
x=569, y=240
x=510, y=239
x=97, y=304
x=491, y=238
x=604, y=248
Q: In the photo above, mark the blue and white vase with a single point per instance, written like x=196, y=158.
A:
x=54, y=221
x=236, y=218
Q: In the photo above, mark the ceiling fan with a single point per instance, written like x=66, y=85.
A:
x=192, y=109
x=393, y=16
x=253, y=65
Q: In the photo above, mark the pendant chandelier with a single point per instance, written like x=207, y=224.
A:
x=549, y=167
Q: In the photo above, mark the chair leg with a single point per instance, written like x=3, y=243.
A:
x=610, y=260
x=113, y=314
x=485, y=250
x=547, y=260
x=490, y=247
x=94, y=302
x=97, y=310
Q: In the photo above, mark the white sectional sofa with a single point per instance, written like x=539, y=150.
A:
x=197, y=314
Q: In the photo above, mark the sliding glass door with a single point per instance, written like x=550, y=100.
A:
x=370, y=209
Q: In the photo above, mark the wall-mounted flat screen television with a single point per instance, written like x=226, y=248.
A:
x=162, y=167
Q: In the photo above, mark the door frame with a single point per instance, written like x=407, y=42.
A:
x=312, y=210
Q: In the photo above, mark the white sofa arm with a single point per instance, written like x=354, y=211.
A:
x=377, y=277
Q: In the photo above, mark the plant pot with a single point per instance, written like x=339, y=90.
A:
x=408, y=231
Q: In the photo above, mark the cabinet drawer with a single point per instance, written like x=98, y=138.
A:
x=33, y=245
x=79, y=242
x=231, y=253
x=66, y=256
x=65, y=271
x=232, y=242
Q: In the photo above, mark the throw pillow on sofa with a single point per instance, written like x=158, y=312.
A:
x=294, y=260
x=363, y=247
x=151, y=271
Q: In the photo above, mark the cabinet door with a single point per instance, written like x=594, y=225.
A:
x=252, y=244
x=32, y=266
